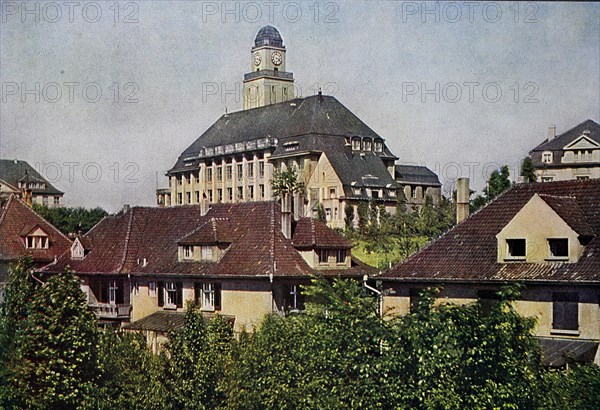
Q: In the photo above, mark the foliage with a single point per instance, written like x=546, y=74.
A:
x=349, y=218
x=498, y=183
x=575, y=388
x=286, y=181
x=56, y=347
x=321, y=213
x=528, y=170
x=363, y=217
x=197, y=355
x=71, y=220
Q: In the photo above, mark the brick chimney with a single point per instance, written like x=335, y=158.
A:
x=462, y=199
x=551, y=132
x=286, y=214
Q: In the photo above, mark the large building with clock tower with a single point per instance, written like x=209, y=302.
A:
x=268, y=82
x=340, y=159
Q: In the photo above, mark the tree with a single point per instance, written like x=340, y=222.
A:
x=499, y=182
x=321, y=213
x=363, y=217
x=349, y=217
x=56, y=347
x=71, y=220
x=575, y=388
x=286, y=181
x=528, y=170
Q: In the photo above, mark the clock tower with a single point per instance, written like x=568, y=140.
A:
x=267, y=82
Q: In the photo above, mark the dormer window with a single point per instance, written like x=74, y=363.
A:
x=516, y=248
x=356, y=144
x=341, y=256
x=188, y=252
x=77, y=250
x=378, y=146
x=559, y=248
x=547, y=157
x=207, y=253
x=367, y=145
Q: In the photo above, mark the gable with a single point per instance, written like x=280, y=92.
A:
x=583, y=142
x=324, y=174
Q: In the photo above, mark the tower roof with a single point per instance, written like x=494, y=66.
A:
x=268, y=36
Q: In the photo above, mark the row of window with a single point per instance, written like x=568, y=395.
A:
x=557, y=248
x=250, y=195
x=366, y=144
x=339, y=254
x=36, y=242
x=217, y=173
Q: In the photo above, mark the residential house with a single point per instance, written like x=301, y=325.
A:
x=24, y=232
x=418, y=182
x=544, y=235
x=241, y=261
x=21, y=179
x=340, y=159
x=574, y=154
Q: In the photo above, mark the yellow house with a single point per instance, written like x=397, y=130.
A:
x=242, y=261
x=544, y=235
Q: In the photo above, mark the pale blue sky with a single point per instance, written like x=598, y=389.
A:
x=375, y=57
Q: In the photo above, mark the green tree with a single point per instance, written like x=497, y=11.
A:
x=56, y=347
x=528, y=170
x=321, y=213
x=363, y=216
x=499, y=182
x=575, y=388
x=349, y=217
x=286, y=180
x=71, y=220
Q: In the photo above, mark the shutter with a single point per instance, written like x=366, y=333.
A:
x=571, y=316
x=161, y=294
x=217, y=296
x=179, y=287
x=558, y=321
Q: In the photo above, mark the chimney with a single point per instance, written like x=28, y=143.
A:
x=286, y=215
x=462, y=199
x=551, y=132
x=204, y=205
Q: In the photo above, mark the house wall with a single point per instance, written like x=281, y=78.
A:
x=322, y=180
x=535, y=301
x=567, y=172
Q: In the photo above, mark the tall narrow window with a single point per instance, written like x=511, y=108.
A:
x=209, y=174
x=171, y=294
x=188, y=252
x=250, y=169
x=323, y=256
x=293, y=299
x=341, y=256
x=112, y=292
x=261, y=169
x=152, y=289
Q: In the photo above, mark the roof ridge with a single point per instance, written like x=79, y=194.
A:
x=312, y=231
x=272, y=238
x=563, y=133
x=5, y=209
x=126, y=245
x=557, y=196
x=43, y=219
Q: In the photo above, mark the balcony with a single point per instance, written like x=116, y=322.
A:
x=111, y=311
x=269, y=73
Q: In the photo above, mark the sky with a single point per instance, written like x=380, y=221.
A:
x=102, y=96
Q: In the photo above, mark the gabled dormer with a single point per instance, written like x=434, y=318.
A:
x=79, y=248
x=320, y=246
x=582, y=149
x=207, y=243
x=34, y=237
x=546, y=229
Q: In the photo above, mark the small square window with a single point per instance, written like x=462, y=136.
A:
x=516, y=248
x=559, y=248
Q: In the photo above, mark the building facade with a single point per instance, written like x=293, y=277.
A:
x=340, y=160
x=544, y=235
x=21, y=179
x=574, y=154
x=241, y=261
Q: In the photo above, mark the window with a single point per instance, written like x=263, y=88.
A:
x=230, y=194
x=180, y=181
x=197, y=197
x=209, y=174
x=547, y=179
x=547, y=157
x=208, y=296
x=56, y=200
x=332, y=193
x=219, y=174
x=210, y=195
x=414, y=296
x=293, y=299
x=171, y=294
x=240, y=171
x=188, y=252
x=516, y=248
x=261, y=190
x=323, y=256
x=250, y=191
x=378, y=146
x=341, y=256
x=565, y=311
x=152, y=289
x=375, y=193
x=229, y=172
x=240, y=193
x=559, y=248
x=179, y=198
x=188, y=198
x=112, y=292
x=582, y=177
x=220, y=195
x=45, y=200
x=250, y=169
x=356, y=144
x=367, y=145
x=136, y=287
x=487, y=299
x=261, y=169
x=36, y=242
x=207, y=253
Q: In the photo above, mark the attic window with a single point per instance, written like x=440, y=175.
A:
x=188, y=252
x=547, y=157
x=207, y=253
x=559, y=248
x=36, y=242
x=378, y=146
x=291, y=146
x=516, y=248
x=367, y=145
x=356, y=144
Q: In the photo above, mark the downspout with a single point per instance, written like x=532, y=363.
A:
x=379, y=294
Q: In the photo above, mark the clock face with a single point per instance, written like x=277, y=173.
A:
x=276, y=58
x=257, y=58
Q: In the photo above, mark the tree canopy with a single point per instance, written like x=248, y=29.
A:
x=71, y=220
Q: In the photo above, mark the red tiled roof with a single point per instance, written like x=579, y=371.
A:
x=16, y=221
x=258, y=248
x=213, y=231
x=469, y=250
x=312, y=233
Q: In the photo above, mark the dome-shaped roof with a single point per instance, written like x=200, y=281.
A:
x=268, y=36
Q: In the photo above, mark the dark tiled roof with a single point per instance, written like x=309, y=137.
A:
x=360, y=170
x=469, y=250
x=16, y=221
x=268, y=36
x=312, y=233
x=212, y=231
x=165, y=321
x=258, y=248
x=315, y=118
x=568, y=209
x=557, y=143
x=13, y=171
x=556, y=352
x=416, y=175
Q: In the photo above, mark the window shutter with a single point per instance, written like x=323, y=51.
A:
x=179, y=287
x=571, y=316
x=197, y=292
x=217, y=296
x=161, y=294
